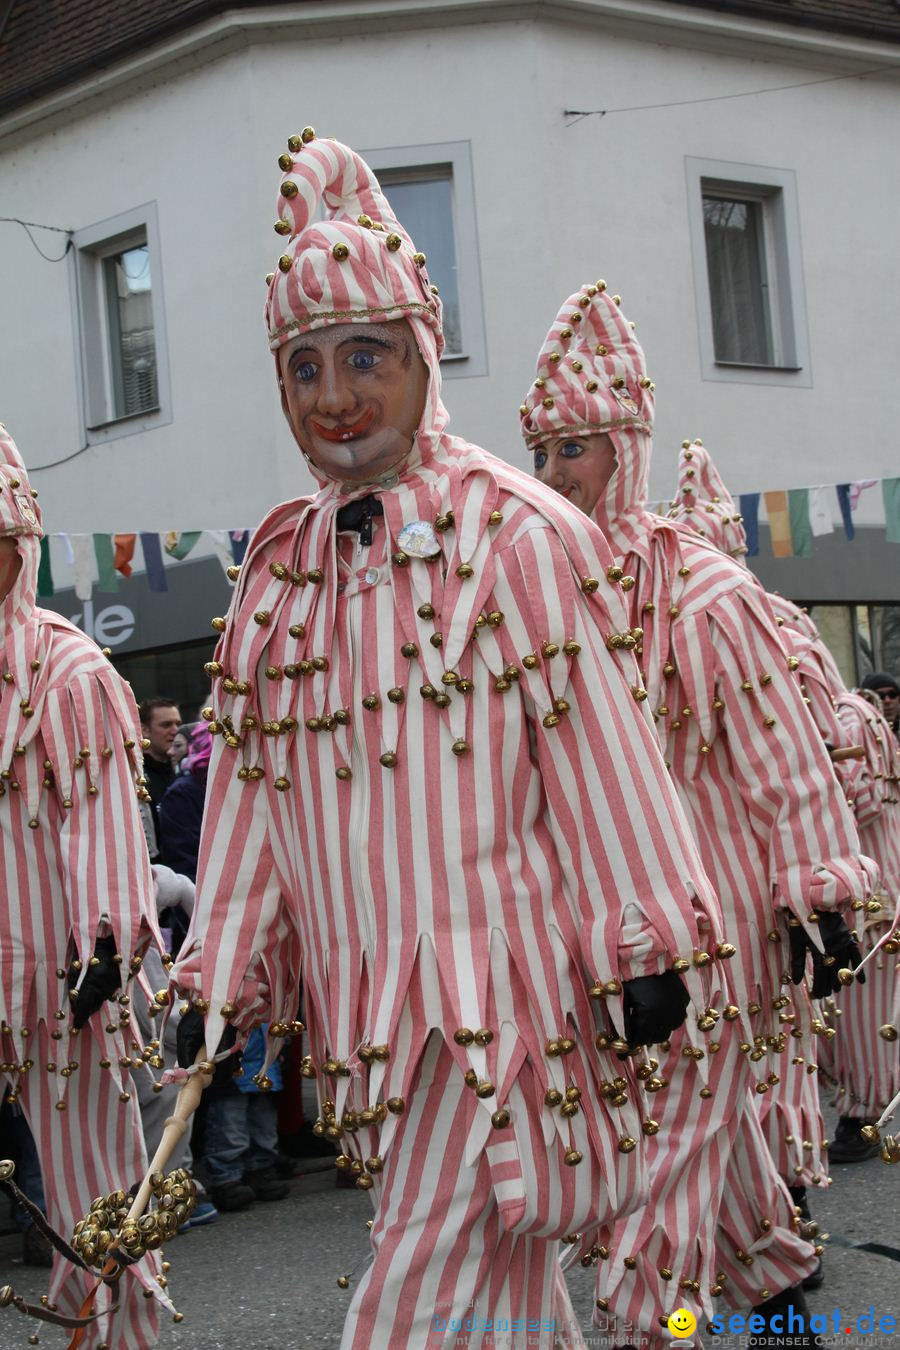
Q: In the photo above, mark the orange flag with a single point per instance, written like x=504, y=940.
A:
x=779, y=523
x=124, y=552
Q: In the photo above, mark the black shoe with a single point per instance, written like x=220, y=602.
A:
x=265, y=1184
x=788, y=1302
x=232, y=1195
x=285, y=1167
x=848, y=1145
x=36, y=1250
x=816, y=1278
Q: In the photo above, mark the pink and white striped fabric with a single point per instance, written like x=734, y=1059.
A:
x=851, y=1051
x=704, y=504
x=855, y=1056
x=864, y=1062
x=436, y=795
x=74, y=865
x=774, y=832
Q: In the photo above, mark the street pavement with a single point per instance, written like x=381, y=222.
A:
x=266, y=1279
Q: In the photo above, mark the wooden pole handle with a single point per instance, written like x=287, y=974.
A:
x=186, y=1103
x=842, y=752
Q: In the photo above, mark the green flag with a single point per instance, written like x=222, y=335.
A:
x=890, y=491
x=801, y=530
x=45, y=576
x=106, y=567
x=178, y=545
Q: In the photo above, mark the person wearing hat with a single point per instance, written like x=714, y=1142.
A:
x=774, y=832
x=436, y=796
x=77, y=912
x=857, y=1045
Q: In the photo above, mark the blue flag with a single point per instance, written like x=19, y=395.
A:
x=750, y=512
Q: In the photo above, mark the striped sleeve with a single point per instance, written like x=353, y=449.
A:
x=782, y=768
x=629, y=863
x=90, y=729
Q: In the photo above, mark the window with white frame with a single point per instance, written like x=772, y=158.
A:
x=118, y=290
x=431, y=190
x=748, y=274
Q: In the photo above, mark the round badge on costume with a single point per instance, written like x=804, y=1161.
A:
x=419, y=539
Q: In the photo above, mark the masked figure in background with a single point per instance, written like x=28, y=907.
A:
x=857, y=1047
x=434, y=796
x=774, y=833
x=78, y=910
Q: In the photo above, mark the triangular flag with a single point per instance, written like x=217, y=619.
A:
x=124, y=552
x=84, y=561
x=222, y=548
x=779, y=523
x=750, y=512
x=178, y=545
x=106, y=567
x=239, y=541
x=890, y=491
x=68, y=553
x=820, y=512
x=857, y=489
x=153, y=561
x=801, y=532
x=843, y=496
x=45, y=576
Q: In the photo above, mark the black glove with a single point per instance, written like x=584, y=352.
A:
x=102, y=981
x=189, y=1036
x=655, y=1005
x=840, y=948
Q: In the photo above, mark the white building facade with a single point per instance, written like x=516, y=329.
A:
x=733, y=177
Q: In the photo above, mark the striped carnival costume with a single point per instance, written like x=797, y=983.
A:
x=859, y=1028
x=774, y=834
x=435, y=795
x=859, y=1025
x=78, y=907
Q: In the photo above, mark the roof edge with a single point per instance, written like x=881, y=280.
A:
x=317, y=19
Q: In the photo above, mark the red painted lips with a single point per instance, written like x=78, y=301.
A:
x=346, y=431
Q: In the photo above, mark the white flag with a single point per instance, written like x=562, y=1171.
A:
x=85, y=564
x=820, y=511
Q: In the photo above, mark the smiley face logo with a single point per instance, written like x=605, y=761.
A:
x=682, y=1323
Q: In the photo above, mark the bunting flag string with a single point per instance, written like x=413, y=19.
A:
x=101, y=559
x=796, y=517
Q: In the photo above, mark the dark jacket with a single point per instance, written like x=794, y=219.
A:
x=180, y=815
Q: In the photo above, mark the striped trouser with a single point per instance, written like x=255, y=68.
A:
x=718, y=1224
x=92, y=1147
x=443, y=1270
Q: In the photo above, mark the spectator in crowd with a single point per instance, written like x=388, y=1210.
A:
x=181, y=809
x=179, y=747
x=160, y=720
x=888, y=690
x=241, y=1153
x=17, y=1143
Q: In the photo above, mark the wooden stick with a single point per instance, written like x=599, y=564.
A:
x=186, y=1103
x=847, y=752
